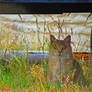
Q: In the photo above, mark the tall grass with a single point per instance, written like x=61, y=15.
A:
x=20, y=76
x=17, y=75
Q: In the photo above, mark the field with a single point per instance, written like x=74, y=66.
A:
x=17, y=75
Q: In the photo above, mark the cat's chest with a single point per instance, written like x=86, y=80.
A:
x=66, y=64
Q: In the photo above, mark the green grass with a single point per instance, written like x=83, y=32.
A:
x=19, y=77
x=14, y=74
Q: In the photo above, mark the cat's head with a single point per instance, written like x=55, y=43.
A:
x=61, y=46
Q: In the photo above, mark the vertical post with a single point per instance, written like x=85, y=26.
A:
x=91, y=42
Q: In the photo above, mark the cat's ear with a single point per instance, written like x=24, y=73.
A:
x=68, y=39
x=52, y=38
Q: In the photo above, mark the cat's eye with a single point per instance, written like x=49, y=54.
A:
x=55, y=46
x=62, y=49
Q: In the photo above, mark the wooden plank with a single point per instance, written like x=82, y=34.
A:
x=39, y=56
x=80, y=55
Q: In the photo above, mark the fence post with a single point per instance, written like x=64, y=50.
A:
x=91, y=42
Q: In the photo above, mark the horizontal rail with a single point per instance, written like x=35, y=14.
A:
x=40, y=56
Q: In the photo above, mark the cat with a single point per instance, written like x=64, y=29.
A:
x=62, y=63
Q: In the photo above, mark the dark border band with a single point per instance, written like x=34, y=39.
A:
x=43, y=8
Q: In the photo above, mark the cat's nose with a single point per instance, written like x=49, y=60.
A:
x=60, y=53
